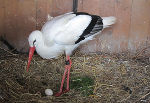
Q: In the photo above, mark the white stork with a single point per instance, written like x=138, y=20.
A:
x=63, y=34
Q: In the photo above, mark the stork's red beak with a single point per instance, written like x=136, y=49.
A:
x=31, y=52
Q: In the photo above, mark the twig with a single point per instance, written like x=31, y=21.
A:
x=142, y=97
x=8, y=51
x=140, y=52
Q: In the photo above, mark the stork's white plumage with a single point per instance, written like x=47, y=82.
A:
x=63, y=34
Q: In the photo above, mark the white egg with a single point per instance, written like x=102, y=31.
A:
x=48, y=92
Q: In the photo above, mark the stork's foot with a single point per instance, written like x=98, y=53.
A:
x=58, y=94
x=66, y=90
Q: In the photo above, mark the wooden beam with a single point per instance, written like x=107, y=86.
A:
x=1, y=18
x=20, y=20
x=61, y=7
x=43, y=9
x=121, y=31
x=140, y=24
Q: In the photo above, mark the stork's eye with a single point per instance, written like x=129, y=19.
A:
x=34, y=42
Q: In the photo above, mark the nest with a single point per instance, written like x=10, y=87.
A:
x=112, y=79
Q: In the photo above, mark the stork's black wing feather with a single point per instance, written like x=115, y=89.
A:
x=95, y=26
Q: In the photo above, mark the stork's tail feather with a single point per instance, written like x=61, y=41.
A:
x=107, y=21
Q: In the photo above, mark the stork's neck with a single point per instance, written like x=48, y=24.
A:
x=47, y=51
x=40, y=42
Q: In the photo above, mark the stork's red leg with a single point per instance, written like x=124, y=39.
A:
x=68, y=76
x=62, y=83
x=67, y=67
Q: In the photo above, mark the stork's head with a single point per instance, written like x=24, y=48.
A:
x=34, y=39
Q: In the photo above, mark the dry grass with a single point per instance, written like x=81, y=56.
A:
x=116, y=79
